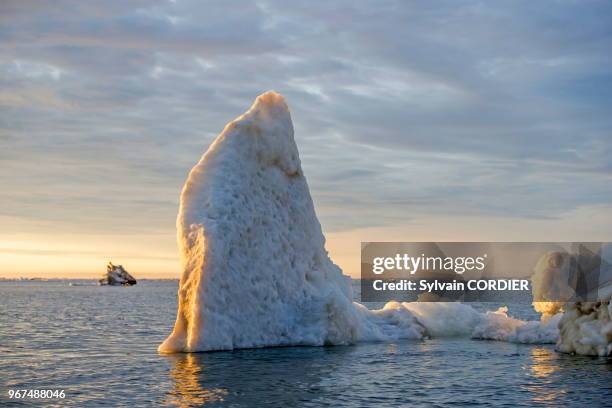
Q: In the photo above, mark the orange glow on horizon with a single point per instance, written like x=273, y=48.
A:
x=86, y=257
x=52, y=255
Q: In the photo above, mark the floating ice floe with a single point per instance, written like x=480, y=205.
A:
x=255, y=269
x=586, y=328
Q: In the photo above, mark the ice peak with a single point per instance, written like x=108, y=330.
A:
x=268, y=126
x=268, y=107
x=270, y=100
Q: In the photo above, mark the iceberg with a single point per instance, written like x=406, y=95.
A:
x=116, y=276
x=255, y=269
x=584, y=325
x=586, y=329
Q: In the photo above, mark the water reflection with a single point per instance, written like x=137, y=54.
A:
x=543, y=362
x=187, y=388
x=544, y=369
x=288, y=376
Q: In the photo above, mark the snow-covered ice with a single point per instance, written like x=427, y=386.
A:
x=498, y=325
x=255, y=269
x=256, y=272
x=585, y=327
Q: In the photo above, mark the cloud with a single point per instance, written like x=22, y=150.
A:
x=402, y=110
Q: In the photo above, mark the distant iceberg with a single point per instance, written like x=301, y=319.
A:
x=116, y=276
x=255, y=269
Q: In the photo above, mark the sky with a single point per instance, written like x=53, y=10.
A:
x=416, y=121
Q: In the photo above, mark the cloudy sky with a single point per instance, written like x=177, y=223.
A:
x=444, y=120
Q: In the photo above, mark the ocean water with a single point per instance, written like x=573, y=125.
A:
x=98, y=344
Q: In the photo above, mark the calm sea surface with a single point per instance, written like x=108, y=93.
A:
x=99, y=344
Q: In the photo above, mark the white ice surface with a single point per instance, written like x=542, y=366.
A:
x=586, y=329
x=256, y=272
x=255, y=269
